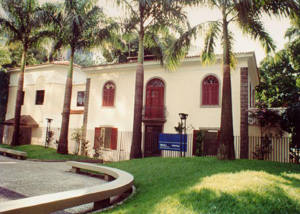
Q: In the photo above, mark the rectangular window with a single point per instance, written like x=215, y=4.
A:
x=23, y=96
x=39, y=98
x=80, y=98
x=106, y=138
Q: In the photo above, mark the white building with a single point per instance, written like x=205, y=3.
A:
x=193, y=89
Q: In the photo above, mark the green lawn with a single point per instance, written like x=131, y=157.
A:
x=41, y=153
x=207, y=185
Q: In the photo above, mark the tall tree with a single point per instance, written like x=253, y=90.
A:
x=22, y=20
x=149, y=19
x=278, y=86
x=246, y=14
x=75, y=26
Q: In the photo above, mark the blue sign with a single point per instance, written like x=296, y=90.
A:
x=172, y=142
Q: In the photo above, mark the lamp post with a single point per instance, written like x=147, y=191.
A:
x=47, y=131
x=183, y=118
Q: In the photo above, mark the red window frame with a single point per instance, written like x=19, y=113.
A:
x=210, y=91
x=108, y=97
x=106, y=137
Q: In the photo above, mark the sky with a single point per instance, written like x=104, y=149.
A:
x=243, y=43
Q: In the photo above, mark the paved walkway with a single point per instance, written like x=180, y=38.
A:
x=22, y=178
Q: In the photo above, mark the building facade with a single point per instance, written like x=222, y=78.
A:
x=106, y=95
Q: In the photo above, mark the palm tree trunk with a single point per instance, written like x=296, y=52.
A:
x=63, y=138
x=16, y=134
x=226, y=148
x=136, y=148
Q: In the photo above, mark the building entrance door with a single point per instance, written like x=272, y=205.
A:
x=155, y=99
x=151, y=140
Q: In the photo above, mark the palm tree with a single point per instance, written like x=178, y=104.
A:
x=148, y=19
x=76, y=26
x=22, y=20
x=246, y=14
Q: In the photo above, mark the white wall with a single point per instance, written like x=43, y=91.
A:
x=182, y=94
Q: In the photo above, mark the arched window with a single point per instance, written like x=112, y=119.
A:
x=155, y=98
x=108, y=94
x=210, y=91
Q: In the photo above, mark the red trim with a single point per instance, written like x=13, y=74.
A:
x=210, y=91
x=108, y=94
x=114, y=139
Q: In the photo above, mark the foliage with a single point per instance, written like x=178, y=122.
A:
x=4, y=56
x=22, y=22
x=200, y=142
x=85, y=60
x=264, y=149
x=278, y=86
x=267, y=119
x=41, y=153
x=291, y=123
x=75, y=24
x=49, y=138
x=35, y=55
x=179, y=129
x=80, y=142
x=77, y=137
x=207, y=185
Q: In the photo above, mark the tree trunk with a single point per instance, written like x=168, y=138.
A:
x=226, y=147
x=63, y=138
x=85, y=116
x=136, y=147
x=16, y=134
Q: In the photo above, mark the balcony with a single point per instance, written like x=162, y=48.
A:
x=154, y=113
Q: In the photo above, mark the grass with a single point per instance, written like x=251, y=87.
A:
x=41, y=153
x=207, y=185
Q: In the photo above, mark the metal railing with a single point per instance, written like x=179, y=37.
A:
x=154, y=112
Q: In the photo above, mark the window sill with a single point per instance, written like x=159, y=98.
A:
x=106, y=149
x=210, y=106
x=108, y=107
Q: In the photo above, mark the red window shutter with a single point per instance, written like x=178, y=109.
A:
x=205, y=95
x=114, y=139
x=108, y=97
x=215, y=94
x=105, y=97
x=210, y=91
x=97, y=138
x=111, y=97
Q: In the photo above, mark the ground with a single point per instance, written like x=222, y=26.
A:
x=180, y=185
x=207, y=185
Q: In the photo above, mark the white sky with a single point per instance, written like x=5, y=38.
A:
x=243, y=43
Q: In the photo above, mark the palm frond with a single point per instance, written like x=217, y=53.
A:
x=233, y=59
x=127, y=6
x=179, y=49
x=254, y=28
x=277, y=7
x=212, y=34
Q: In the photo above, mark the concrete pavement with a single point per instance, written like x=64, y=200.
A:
x=23, y=178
